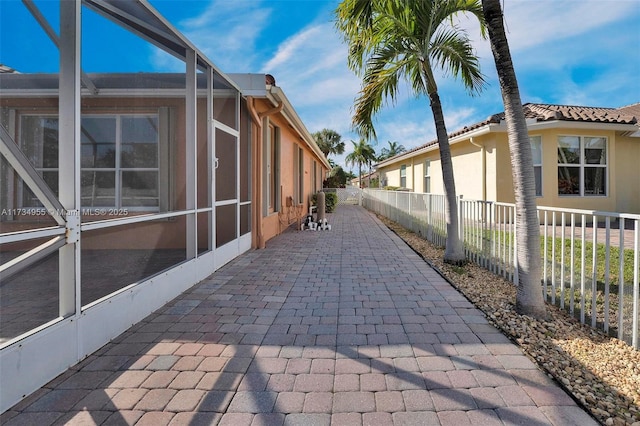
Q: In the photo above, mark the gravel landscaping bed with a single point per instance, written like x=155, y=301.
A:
x=601, y=372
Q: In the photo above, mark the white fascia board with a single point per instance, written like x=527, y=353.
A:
x=276, y=95
x=480, y=131
x=557, y=124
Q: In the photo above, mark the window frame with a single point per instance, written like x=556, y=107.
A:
x=298, y=173
x=426, y=184
x=272, y=170
x=403, y=175
x=582, y=165
x=315, y=176
x=539, y=191
x=117, y=169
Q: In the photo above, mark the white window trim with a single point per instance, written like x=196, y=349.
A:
x=427, y=175
x=117, y=169
x=315, y=177
x=298, y=173
x=582, y=165
x=270, y=169
x=541, y=165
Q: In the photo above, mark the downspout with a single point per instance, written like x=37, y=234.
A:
x=483, y=167
x=257, y=148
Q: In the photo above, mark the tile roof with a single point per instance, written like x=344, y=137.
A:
x=632, y=110
x=547, y=112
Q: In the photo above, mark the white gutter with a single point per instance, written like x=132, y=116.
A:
x=541, y=125
x=276, y=96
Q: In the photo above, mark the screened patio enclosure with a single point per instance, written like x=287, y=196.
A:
x=125, y=178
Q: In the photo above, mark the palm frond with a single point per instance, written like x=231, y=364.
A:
x=451, y=49
x=394, y=40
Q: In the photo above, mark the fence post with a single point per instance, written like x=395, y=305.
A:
x=516, y=274
x=460, y=220
x=410, y=212
x=635, y=339
x=429, y=216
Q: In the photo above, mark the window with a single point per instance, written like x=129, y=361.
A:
x=403, y=176
x=536, y=153
x=315, y=176
x=39, y=142
x=427, y=177
x=272, y=169
x=383, y=179
x=119, y=159
x=582, y=166
x=298, y=172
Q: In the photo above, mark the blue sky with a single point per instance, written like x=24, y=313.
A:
x=584, y=52
x=574, y=52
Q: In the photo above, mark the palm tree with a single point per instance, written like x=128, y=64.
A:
x=394, y=149
x=529, y=300
x=362, y=153
x=394, y=40
x=329, y=141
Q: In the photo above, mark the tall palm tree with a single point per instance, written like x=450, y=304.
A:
x=394, y=40
x=394, y=149
x=329, y=141
x=362, y=153
x=529, y=300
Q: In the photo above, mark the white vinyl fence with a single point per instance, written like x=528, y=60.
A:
x=590, y=258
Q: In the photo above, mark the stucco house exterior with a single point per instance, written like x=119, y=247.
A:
x=120, y=190
x=584, y=158
x=289, y=167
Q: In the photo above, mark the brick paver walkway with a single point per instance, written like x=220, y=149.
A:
x=341, y=327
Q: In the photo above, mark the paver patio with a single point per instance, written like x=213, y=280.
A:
x=341, y=327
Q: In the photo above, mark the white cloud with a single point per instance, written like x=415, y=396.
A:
x=290, y=48
x=226, y=32
x=310, y=58
x=311, y=67
x=408, y=132
x=531, y=23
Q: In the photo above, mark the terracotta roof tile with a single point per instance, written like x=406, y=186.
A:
x=631, y=110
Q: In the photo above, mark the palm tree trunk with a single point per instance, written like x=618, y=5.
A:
x=453, y=253
x=360, y=175
x=529, y=299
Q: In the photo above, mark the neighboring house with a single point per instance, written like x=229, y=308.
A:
x=584, y=158
x=365, y=179
x=118, y=191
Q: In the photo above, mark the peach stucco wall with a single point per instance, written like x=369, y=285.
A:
x=289, y=213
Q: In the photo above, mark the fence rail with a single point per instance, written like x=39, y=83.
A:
x=590, y=258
